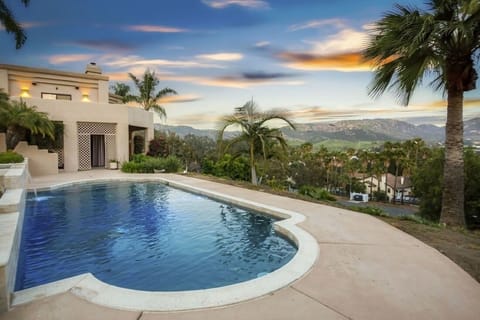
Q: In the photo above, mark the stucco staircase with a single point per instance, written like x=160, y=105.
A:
x=40, y=161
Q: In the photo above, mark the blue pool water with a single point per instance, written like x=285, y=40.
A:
x=145, y=236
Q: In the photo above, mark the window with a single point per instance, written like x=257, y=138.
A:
x=56, y=96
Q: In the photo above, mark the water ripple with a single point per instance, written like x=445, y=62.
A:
x=145, y=236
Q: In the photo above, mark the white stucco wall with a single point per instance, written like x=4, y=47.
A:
x=34, y=82
x=71, y=112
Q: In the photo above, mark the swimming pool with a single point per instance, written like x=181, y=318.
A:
x=145, y=236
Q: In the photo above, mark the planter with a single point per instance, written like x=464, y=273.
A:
x=114, y=165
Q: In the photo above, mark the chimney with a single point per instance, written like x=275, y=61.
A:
x=92, y=68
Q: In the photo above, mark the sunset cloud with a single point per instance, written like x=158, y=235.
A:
x=313, y=24
x=346, y=40
x=67, y=58
x=222, y=56
x=104, y=45
x=346, y=62
x=155, y=28
x=241, y=81
x=179, y=98
x=466, y=103
x=339, y=52
x=221, y=4
x=132, y=61
x=205, y=119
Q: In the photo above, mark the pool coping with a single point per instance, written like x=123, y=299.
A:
x=87, y=287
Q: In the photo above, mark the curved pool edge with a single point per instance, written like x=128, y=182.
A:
x=87, y=287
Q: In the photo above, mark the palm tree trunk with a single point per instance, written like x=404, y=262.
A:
x=252, y=163
x=453, y=173
x=395, y=184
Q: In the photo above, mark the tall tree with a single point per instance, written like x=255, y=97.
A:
x=148, y=97
x=123, y=90
x=11, y=25
x=255, y=132
x=16, y=117
x=407, y=44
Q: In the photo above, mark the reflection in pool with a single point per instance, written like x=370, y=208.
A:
x=145, y=236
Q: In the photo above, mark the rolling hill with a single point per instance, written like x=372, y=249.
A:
x=353, y=133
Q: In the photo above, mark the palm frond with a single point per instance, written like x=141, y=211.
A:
x=165, y=92
x=159, y=110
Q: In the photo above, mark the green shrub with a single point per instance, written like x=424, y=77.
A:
x=171, y=164
x=374, y=211
x=419, y=219
x=380, y=196
x=10, y=157
x=428, y=181
x=139, y=158
x=316, y=193
x=144, y=164
x=236, y=168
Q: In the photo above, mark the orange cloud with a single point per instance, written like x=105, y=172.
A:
x=179, y=99
x=206, y=119
x=155, y=28
x=346, y=62
x=467, y=103
x=67, y=58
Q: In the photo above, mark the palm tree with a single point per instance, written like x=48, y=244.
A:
x=16, y=117
x=147, y=98
x=408, y=43
x=123, y=90
x=11, y=25
x=252, y=123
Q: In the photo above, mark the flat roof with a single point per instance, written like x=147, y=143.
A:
x=53, y=72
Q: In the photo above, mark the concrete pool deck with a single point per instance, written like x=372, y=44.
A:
x=366, y=269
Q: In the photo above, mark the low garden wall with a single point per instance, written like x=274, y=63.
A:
x=13, y=178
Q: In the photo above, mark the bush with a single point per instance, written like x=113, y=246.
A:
x=380, y=196
x=10, y=157
x=374, y=211
x=316, y=193
x=158, y=147
x=428, y=182
x=236, y=168
x=145, y=164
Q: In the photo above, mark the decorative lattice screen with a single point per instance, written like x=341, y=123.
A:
x=85, y=129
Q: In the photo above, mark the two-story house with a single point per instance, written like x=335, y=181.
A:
x=96, y=128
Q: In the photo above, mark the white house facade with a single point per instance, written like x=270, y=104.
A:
x=401, y=189
x=96, y=129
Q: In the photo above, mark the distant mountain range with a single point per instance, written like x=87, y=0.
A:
x=377, y=130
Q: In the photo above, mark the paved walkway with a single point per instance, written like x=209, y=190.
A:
x=366, y=269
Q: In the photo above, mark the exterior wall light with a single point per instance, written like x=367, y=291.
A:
x=85, y=97
x=25, y=93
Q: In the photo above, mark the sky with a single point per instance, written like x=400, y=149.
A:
x=300, y=56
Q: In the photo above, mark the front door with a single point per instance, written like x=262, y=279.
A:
x=97, y=150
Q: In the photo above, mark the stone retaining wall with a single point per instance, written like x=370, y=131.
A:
x=12, y=208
